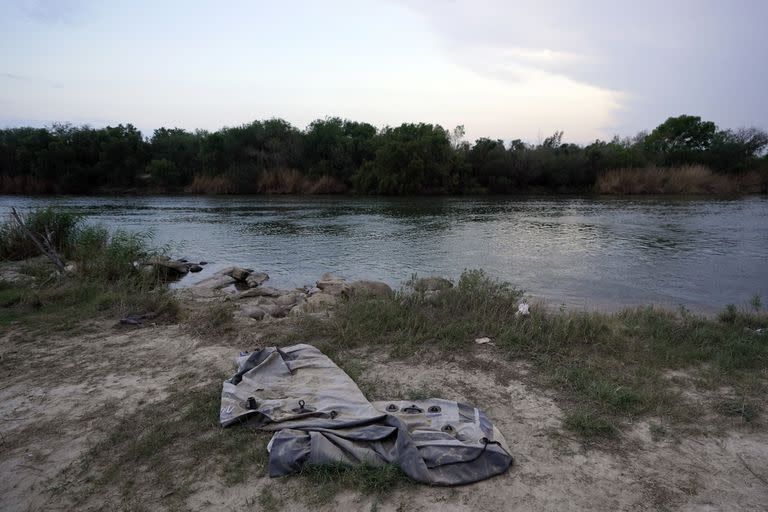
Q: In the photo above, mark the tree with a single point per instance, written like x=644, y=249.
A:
x=682, y=139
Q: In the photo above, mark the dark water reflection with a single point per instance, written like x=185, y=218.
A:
x=584, y=252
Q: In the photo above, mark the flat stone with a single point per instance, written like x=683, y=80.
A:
x=274, y=310
x=289, y=299
x=369, y=288
x=261, y=291
x=215, y=282
x=168, y=265
x=255, y=312
x=256, y=279
x=332, y=284
x=241, y=274
x=318, y=302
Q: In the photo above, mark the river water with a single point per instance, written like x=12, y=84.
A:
x=578, y=251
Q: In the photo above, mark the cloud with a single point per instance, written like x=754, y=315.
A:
x=52, y=11
x=32, y=80
x=666, y=58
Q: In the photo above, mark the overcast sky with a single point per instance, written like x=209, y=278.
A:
x=503, y=68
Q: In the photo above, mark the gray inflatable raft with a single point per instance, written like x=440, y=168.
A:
x=321, y=417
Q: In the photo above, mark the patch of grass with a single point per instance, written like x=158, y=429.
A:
x=421, y=393
x=407, y=321
x=10, y=294
x=106, y=280
x=329, y=479
x=65, y=304
x=658, y=431
x=611, y=364
x=743, y=408
x=269, y=501
x=588, y=383
x=214, y=321
x=589, y=425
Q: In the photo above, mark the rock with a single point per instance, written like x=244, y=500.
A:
x=332, y=284
x=432, y=284
x=169, y=266
x=275, y=310
x=256, y=279
x=523, y=309
x=70, y=268
x=369, y=288
x=215, y=282
x=255, y=312
x=261, y=291
x=319, y=302
x=241, y=274
x=289, y=299
x=203, y=263
x=195, y=268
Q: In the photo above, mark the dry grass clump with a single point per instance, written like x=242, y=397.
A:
x=25, y=185
x=689, y=179
x=271, y=181
x=214, y=185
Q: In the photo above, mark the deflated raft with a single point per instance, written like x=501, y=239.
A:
x=321, y=417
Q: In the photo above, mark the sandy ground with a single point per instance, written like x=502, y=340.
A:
x=59, y=394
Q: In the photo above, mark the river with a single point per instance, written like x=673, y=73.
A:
x=580, y=252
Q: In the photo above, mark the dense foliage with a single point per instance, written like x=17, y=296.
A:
x=333, y=155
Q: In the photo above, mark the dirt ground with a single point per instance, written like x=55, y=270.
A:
x=60, y=394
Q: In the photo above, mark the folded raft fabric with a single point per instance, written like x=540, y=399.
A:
x=322, y=417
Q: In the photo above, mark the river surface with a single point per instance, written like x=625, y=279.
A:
x=583, y=252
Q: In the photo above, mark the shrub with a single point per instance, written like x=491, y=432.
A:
x=58, y=226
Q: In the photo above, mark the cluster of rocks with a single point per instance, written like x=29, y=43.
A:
x=259, y=301
x=173, y=268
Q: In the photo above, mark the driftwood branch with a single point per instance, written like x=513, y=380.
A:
x=43, y=244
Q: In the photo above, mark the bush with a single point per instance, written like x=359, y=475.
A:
x=111, y=257
x=59, y=226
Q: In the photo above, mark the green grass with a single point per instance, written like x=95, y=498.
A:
x=215, y=321
x=607, y=368
x=589, y=424
x=65, y=304
x=743, y=408
x=60, y=224
x=329, y=479
x=106, y=281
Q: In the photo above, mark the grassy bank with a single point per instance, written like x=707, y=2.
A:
x=607, y=369
x=691, y=179
x=275, y=181
x=104, y=276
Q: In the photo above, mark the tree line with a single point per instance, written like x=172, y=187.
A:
x=353, y=156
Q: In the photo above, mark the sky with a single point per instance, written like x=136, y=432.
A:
x=502, y=68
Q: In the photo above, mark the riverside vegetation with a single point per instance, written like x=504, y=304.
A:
x=682, y=155
x=680, y=373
